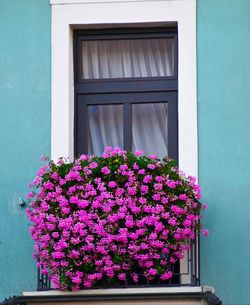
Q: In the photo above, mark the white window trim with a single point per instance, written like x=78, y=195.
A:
x=98, y=13
x=62, y=2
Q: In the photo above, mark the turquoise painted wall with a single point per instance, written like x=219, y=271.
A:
x=24, y=130
x=223, y=29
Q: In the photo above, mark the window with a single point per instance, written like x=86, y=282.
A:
x=126, y=90
x=70, y=15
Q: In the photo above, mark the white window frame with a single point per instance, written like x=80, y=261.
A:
x=70, y=14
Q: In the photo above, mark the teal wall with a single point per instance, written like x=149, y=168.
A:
x=224, y=144
x=223, y=31
x=24, y=130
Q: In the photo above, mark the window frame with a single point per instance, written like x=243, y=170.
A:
x=132, y=90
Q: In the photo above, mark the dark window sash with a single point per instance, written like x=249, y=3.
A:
x=126, y=91
x=126, y=99
x=117, y=34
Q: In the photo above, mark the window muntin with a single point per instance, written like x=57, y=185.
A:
x=149, y=127
x=146, y=121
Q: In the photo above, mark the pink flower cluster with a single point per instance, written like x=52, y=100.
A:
x=120, y=217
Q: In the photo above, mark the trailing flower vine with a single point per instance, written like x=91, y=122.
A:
x=119, y=217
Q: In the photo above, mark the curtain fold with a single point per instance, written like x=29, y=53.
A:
x=104, y=59
x=127, y=58
x=150, y=128
x=105, y=127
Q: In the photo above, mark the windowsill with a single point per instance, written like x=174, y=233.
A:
x=124, y=291
x=198, y=295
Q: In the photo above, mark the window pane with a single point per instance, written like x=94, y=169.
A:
x=127, y=58
x=150, y=128
x=105, y=127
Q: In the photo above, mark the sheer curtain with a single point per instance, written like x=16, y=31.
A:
x=127, y=58
x=105, y=59
x=150, y=128
x=105, y=127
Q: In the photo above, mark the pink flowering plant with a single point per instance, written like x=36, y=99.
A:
x=122, y=217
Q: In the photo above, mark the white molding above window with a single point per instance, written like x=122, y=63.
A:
x=59, y=2
x=111, y=13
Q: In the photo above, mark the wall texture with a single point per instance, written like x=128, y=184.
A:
x=223, y=29
x=24, y=130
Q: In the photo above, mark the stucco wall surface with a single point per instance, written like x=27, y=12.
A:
x=24, y=130
x=223, y=29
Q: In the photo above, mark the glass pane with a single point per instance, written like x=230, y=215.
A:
x=150, y=128
x=105, y=127
x=127, y=58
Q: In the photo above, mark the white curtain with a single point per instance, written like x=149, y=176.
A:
x=123, y=59
x=127, y=58
x=105, y=127
x=150, y=128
